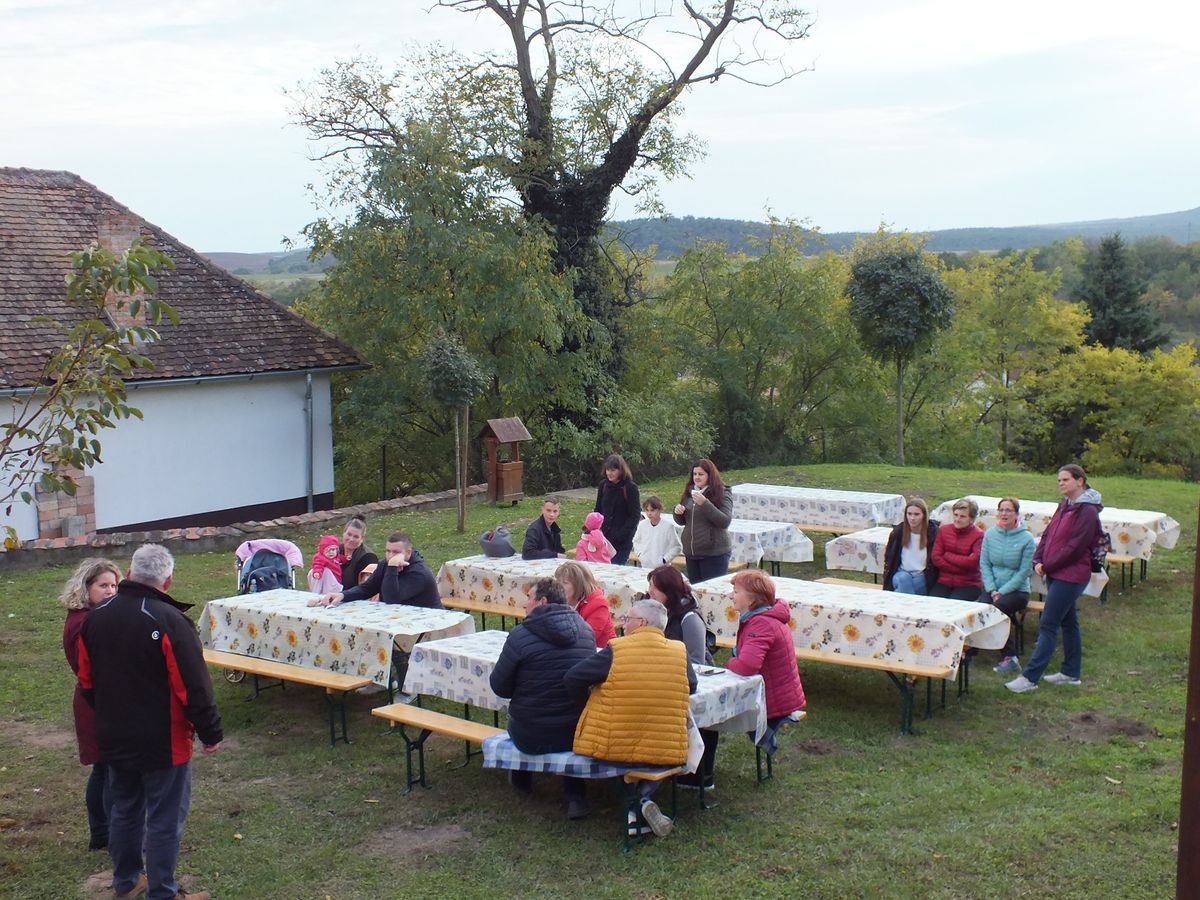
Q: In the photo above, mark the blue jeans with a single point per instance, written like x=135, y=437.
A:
x=99, y=803
x=908, y=582
x=1060, y=612
x=621, y=554
x=149, y=806
x=702, y=568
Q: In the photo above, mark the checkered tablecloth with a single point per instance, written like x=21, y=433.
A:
x=1134, y=532
x=460, y=669
x=923, y=631
x=816, y=507
x=499, y=752
x=353, y=638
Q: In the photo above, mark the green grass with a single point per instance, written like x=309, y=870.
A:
x=1063, y=792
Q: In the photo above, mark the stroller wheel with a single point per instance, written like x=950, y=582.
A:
x=233, y=676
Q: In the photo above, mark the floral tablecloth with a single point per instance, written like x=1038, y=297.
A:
x=863, y=551
x=924, y=631
x=816, y=507
x=503, y=581
x=354, y=638
x=460, y=669
x=1134, y=532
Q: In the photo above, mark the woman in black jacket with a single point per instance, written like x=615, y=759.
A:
x=617, y=498
x=908, y=560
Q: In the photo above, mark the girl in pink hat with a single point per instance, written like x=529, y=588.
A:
x=594, y=546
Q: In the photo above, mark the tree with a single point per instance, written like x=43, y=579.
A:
x=898, y=303
x=1112, y=288
x=52, y=431
x=583, y=104
x=454, y=380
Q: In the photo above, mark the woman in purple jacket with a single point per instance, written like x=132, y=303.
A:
x=1064, y=558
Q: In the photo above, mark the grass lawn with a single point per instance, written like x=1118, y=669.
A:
x=1064, y=792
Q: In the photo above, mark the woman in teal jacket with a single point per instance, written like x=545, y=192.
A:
x=1005, y=562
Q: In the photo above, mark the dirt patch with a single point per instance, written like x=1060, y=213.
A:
x=817, y=747
x=100, y=885
x=417, y=841
x=37, y=735
x=1095, y=726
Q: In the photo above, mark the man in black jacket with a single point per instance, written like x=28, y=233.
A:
x=543, y=537
x=404, y=579
x=142, y=668
x=536, y=655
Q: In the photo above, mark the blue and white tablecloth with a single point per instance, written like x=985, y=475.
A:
x=816, y=507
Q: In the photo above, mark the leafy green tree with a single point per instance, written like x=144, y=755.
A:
x=53, y=430
x=1112, y=288
x=454, y=380
x=584, y=103
x=898, y=303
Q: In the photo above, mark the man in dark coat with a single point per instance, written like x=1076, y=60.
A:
x=405, y=579
x=142, y=668
x=538, y=652
x=543, y=537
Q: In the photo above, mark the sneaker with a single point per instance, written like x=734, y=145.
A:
x=139, y=888
x=1021, y=684
x=1062, y=678
x=1007, y=664
x=578, y=809
x=660, y=823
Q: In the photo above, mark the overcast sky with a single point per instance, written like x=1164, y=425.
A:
x=923, y=114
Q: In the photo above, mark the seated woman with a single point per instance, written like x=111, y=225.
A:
x=956, y=555
x=908, y=560
x=765, y=647
x=1005, y=563
x=586, y=597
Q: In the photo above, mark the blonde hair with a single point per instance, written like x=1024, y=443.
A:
x=75, y=592
x=580, y=577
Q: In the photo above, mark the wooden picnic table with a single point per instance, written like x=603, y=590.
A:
x=816, y=509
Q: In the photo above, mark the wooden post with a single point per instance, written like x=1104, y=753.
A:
x=1187, y=872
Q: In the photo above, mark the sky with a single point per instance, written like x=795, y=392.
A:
x=923, y=115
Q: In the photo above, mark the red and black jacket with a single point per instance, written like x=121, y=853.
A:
x=142, y=668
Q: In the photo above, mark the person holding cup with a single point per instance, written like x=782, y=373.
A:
x=705, y=511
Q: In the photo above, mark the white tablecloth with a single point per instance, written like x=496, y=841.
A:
x=1134, y=532
x=816, y=507
x=353, y=638
x=873, y=624
x=460, y=668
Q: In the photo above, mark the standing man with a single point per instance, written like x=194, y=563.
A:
x=142, y=669
x=543, y=537
x=404, y=579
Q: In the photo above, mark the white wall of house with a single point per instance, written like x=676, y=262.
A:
x=210, y=446
x=23, y=518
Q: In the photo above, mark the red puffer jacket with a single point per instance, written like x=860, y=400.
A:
x=764, y=647
x=595, y=612
x=956, y=555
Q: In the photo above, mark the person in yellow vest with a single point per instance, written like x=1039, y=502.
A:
x=637, y=709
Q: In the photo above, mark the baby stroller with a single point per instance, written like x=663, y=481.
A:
x=266, y=564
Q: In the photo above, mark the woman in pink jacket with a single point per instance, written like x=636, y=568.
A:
x=764, y=644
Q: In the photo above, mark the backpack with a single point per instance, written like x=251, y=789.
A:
x=1101, y=549
x=266, y=570
x=497, y=543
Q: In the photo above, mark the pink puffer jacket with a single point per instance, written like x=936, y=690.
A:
x=764, y=647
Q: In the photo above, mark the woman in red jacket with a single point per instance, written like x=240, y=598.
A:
x=93, y=582
x=586, y=597
x=956, y=554
x=764, y=644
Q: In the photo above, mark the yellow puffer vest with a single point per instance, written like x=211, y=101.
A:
x=639, y=714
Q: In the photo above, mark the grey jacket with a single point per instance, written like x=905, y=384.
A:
x=705, y=527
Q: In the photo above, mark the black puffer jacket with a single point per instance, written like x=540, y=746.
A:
x=538, y=652
x=622, y=508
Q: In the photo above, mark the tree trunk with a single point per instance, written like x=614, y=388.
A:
x=458, y=489
x=464, y=474
x=899, y=411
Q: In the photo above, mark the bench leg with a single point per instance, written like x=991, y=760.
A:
x=409, y=746
x=259, y=689
x=964, y=674
x=467, y=751
x=336, y=707
x=758, y=766
x=905, y=684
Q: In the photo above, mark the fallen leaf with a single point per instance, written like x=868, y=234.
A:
x=371, y=801
x=1111, y=780
x=7, y=822
x=237, y=837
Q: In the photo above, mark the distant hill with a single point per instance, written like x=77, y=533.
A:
x=674, y=236
x=294, y=263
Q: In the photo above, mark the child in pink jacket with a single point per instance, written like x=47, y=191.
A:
x=594, y=546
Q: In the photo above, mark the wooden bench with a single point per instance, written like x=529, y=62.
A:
x=902, y=675
x=1125, y=561
x=828, y=529
x=429, y=722
x=484, y=609
x=850, y=582
x=336, y=684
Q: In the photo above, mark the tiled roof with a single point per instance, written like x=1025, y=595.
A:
x=226, y=327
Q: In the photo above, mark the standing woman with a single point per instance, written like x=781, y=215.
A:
x=617, y=499
x=908, y=560
x=1004, y=563
x=1064, y=558
x=354, y=548
x=93, y=582
x=705, y=511
x=956, y=554
x=586, y=597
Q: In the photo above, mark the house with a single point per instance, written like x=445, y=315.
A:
x=237, y=412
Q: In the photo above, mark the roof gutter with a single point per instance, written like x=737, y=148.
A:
x=207, y=379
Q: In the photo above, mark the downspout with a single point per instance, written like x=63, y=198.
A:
x=308, y=437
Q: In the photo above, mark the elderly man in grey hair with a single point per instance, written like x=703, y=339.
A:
x=142, y=668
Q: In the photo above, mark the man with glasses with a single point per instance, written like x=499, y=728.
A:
x=637, y=708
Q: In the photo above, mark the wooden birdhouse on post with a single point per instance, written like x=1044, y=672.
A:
x=502, y=438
